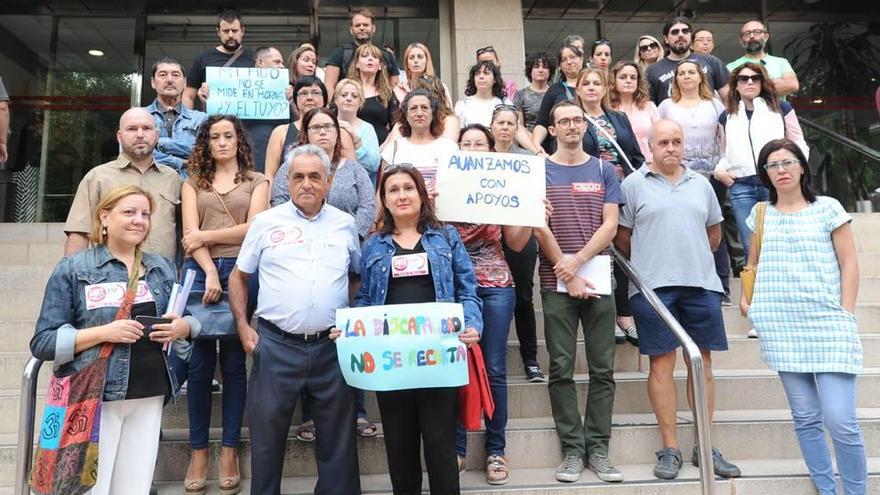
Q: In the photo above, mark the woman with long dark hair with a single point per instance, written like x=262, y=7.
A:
x=218, y=202
x=803, y=308
x=483, y=91
x=570, y=60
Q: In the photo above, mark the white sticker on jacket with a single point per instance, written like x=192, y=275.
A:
x=110, y=294
x=409, y=265
x=289, y=236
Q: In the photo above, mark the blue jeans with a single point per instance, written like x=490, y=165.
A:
x=745, y=193
x=829, y=398
x=498, y=305
x=201, y=370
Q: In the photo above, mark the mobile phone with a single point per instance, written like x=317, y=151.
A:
x=149, y=321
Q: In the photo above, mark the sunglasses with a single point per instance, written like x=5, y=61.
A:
x=676, y=31
x=650, y=46
x=603, y=41
x=486, y=49
x=755, y=78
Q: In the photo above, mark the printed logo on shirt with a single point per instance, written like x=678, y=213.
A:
x=409, y=265
x=587, y=187
x=291, y=236
x=110, y=294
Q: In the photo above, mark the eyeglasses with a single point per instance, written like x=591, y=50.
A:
x=314, y=93
x=755, y=78
x=786, y=164
x=322, y=127
x=676, y=31
x=576, y=121
x=650, y=46
x=505, y=106
x=753, y=32
x=486, y=49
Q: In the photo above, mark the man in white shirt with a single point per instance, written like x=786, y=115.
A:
x=308, y=259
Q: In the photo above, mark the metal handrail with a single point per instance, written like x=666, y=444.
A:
x=25, y=451
x=695, y=364
x=841, y=139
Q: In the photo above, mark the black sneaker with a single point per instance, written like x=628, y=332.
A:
x=725, y=301
x=720, y=465
x=534, y=374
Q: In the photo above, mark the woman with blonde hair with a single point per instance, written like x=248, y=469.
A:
x=417, y=62
x=349, y=99
x=380, y=104
x=648, y=50
x=628, y=93
x=93, y=299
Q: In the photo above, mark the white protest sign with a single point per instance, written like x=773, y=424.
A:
x=248, y=92
x=491, y=188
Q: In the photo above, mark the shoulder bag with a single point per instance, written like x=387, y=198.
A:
x=750, y=272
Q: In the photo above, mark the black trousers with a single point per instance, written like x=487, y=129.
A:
x=522, y=266
x=283, y=367
x=410, y=417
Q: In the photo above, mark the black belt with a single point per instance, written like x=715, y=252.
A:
x=303, y=337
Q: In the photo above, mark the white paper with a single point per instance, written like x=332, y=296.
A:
x=597, y=271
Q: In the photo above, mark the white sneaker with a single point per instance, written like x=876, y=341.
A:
x=752, y=334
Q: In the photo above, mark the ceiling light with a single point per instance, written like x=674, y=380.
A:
x=96, y=53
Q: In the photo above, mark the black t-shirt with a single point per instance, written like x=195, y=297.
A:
x=215, y=58
x=339, y=56
x=381, y=118
x=147, y=374
x=258, y=133
x=410, y=280
x=661, y=74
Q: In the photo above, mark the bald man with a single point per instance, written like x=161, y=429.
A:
x=137, y=136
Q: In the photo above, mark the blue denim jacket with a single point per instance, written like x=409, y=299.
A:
x=451, y=269
x=175, y=151
x=64, y=313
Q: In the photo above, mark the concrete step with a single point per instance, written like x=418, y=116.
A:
x=533, y=444
x=784, y=476
x=32, y=233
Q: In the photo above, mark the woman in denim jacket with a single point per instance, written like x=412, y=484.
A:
x=409, y=229
x=79, y=306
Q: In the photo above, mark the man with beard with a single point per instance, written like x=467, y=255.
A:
x=362, y=30
x=176, y=123
x=753, y=36
x=137, y=136
x=677, y=36
x=230, y=53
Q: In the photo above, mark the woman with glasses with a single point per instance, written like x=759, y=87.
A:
x=803, y=307
x=422, y=141
x=380, y=104
x=607, y=127
x=754, y=116
x=600, y=54
x=218, y=202
x=629, y=94
x=309, y=92
x=647, y=51
x=694, y=107
x=349, y=99
x=409, y=228
x=570, y=61
x=540, y=70
x=495, y=288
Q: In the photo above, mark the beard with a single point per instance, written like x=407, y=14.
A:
x=679, y=49
x=754, y=46
x=232, y=44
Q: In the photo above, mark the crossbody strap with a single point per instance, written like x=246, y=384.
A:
x=235, y=56
x=223, y=204
x=759, y=228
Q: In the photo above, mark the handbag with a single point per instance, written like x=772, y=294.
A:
x=475, y=397
x=216, y=318
x=750, y=272
x=66, y=460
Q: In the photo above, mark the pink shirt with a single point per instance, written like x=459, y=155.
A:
x=641, y=121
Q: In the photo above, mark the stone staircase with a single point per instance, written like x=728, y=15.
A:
x=752, y=422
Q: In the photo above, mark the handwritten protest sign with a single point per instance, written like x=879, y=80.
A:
x=248, y=92
x=401, y=346
x=492, y=188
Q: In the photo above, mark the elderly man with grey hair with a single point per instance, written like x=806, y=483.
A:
x=308, y=259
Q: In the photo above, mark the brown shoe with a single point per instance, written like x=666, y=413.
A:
x=497, y=471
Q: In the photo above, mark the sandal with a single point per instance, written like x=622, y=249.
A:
x=195, y=486
x=231, y=485
x=365, y=428
x=306, y=432
x=497, y=471
x=460, y=464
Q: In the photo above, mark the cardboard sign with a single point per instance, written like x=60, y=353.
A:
x=402, y=346
x=491, y=188
x=248, y=92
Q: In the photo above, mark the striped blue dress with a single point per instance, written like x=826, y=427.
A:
x=796, y=307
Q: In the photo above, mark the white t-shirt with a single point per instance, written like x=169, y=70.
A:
x=472, y=110
x=424, y=157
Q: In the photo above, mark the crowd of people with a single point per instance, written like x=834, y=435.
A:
x=288, y=221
